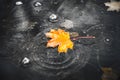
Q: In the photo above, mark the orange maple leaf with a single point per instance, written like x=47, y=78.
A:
x=59, y=38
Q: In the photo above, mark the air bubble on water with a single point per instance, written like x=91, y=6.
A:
x=19, y=3
x=37, y=4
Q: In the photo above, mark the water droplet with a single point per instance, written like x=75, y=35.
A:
x=43, y=38
x=107, y=40
x=37, y=4
x=25, y=60
x=41, y=60
x=79, y=41
x=53, y=18
x=84, y=32
x=27, y=49
x=19, y=3
x=87, y=35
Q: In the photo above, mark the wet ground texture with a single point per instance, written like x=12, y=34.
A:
x=23, y=52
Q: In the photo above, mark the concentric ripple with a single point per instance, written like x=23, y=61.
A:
x=49, y=62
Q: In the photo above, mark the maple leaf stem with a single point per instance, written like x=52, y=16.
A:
x=83, y=37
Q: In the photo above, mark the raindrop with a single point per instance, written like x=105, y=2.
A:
x=84, y=32
x=79, y=41
x=27, y=49
x=25, y=60
x=53, y=18
x=19, y=3
x=43, y=38
x=107, y=40
x=37, y=4
x=40, y=26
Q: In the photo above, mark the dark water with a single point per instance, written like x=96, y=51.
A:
x=23, y=25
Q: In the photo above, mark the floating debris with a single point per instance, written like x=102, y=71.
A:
x=108, y=74
x=19, y=3
x=113, y=6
